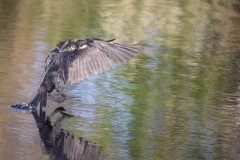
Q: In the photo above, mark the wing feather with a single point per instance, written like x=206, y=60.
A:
x=79, y=59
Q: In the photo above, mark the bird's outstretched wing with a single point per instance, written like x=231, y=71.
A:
x=79, y=59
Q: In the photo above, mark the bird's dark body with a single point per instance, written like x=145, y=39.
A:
x=75, y=60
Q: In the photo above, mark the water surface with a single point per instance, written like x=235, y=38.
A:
x=179, y=99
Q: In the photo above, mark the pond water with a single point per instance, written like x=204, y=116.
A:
x=179, y=99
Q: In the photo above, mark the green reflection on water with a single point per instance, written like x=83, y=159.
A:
x=171, y=102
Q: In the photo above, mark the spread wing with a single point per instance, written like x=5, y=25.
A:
x=79, y=59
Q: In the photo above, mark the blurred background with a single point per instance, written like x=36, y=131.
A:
x=179, y=99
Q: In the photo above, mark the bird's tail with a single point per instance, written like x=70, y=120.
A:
x=39, y=98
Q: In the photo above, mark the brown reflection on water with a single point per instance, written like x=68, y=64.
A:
x=18, y=135
x=178, y=100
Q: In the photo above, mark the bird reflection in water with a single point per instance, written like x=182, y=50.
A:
x=61, y=144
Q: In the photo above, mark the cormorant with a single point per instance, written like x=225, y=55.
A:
x=75, y=60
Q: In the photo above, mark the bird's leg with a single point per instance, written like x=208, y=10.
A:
x=58, y=96
x=61, y=97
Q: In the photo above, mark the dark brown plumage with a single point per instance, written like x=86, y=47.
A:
x=75, y=60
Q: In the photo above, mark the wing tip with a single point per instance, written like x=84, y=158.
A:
x=111, y=40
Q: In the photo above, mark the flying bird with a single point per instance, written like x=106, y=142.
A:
x=75, y=60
